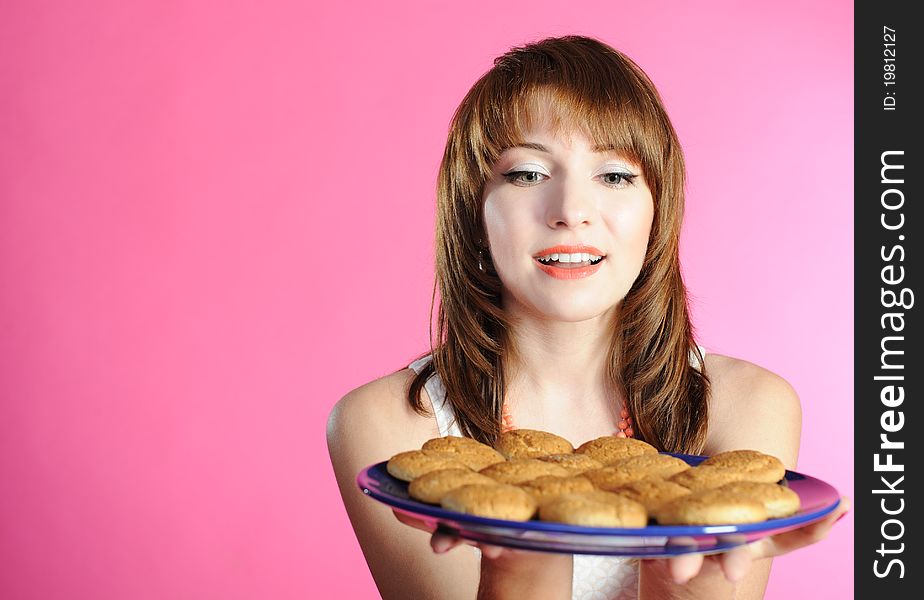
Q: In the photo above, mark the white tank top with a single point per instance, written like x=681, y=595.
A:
x=595, y=577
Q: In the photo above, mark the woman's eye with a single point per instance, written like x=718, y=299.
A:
x=525, y=178
x=617, y=179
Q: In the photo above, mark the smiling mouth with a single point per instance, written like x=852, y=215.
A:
x=570, y=261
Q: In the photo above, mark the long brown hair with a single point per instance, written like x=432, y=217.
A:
x=602, y=92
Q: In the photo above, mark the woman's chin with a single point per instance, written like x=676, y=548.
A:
x=571, y=313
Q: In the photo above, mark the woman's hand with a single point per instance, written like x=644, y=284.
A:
x=507, y=572
x=443, y=541
x=736, y=562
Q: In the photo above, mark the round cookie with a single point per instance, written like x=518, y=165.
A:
x=521, y=470
x=595, y=509
x=652, y=493
x=431, y=487
x=753, y=465
x=705, y=477
x=575, y=463
x=609, y=449
x=711, y=507
x=549, y=487
x=409, y=465
x=778, y=500
x=530, y=443
x=472, y=453
x=654, y=465
x=614, y=476
x=491, y=500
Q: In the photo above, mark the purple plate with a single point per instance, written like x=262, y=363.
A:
x=817, y=500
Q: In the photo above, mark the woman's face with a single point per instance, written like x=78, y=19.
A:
x=567, y=226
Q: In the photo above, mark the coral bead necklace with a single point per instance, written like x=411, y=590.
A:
x=624, y=424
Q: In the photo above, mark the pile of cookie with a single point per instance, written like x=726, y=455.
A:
x=606, y=482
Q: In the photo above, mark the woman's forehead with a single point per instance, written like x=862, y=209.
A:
x=545, y=115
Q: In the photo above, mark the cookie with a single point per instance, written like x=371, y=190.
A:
x=612, y=477
x=431, y=487
x=521, y=470
x=705, y=477
x=594, y=509
x=778, y=500
x=711, y=507
x=753, y=465
x=652, y=493
x=549, y=487
x=575, y=463
x=472, y=453
x=653, y=465
x=609, y=449
x=636, y=468
x=529, y=443
x=407, y=466
x=491, y=500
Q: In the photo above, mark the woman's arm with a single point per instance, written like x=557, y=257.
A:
x=371, y=424
x=750, y=408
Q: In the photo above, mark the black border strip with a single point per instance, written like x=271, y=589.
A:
x=888, y=368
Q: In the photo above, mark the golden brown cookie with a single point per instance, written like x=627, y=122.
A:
x=595, y=509
x=609, y=449
x=711, y=507
x=612, y=477
x=705, y=477
x=492, y=500
x=530, y=443
x=409, y=465
x=778, y=500
x=753, y=465
x=636, y=468
x=653, y=465
x=548, y=487
x=431, y=487
x=472, y=453
x=521, y=470
x=575, y=463
x=652, y=493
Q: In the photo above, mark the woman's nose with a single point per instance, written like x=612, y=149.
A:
x=569, y=205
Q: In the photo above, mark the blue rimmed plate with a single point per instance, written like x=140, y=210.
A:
x=817, y=500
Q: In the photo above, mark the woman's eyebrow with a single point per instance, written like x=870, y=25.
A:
x=529, y=146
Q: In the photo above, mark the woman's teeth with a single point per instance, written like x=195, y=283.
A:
x=576, y=258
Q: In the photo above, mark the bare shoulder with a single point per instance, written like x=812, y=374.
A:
x=751, y=407
x=378, y=415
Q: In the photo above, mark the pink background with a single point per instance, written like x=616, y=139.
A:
x=216, y=218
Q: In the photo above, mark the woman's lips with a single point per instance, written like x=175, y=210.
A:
x=564, y=261
x=569, y=249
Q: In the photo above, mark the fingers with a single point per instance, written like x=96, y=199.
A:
x=414, y=521
x=736, y=563
x=685, y=567
x=804, y=536
x=843, y=508
x=444, y=542
x=492, y=552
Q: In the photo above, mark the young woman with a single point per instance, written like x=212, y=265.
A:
x=562, y=308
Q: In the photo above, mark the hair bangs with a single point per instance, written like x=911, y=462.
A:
x=609, y=106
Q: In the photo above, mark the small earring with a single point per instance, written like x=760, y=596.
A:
x=480, y=265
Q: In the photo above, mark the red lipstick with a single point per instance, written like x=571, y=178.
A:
x=562, y=249
x=559, y=271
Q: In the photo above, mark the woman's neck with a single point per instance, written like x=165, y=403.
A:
x=559, y=369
